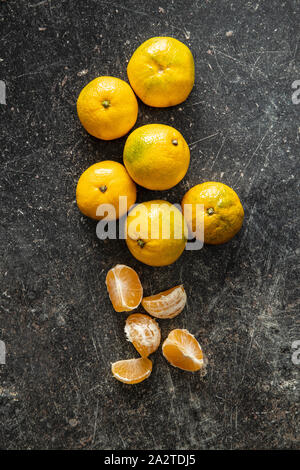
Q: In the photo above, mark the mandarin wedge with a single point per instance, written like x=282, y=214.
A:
x=124, y=288
x=182, y=350
x=143, y=332
x=132, y=371
x=166, y=304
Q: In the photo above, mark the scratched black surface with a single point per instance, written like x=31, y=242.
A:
x=60, y=331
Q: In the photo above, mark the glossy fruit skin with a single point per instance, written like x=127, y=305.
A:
x=162, y=72
x=143, y=332
x=132, y=371
x=107, y=108
x=156, y=249
x=104, y=183
x=223, y=212
x=156, y=156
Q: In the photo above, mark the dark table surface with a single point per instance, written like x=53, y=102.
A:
x=57, y=323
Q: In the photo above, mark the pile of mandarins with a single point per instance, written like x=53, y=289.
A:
x=161, y=72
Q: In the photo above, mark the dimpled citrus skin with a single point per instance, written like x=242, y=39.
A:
x=107, y=108
x=152, y=248
x=104, y=183
x=162, y=72
x=223, y=211
x=156, y=156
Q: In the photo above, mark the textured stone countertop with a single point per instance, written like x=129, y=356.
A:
x=56, y=320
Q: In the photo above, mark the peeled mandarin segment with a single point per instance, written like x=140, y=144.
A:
x=132, y=371
x=143, y=332
x=182, y=350
x=124, y=288
x=166, y=304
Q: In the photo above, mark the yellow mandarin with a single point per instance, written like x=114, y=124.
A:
x=156, y=233
x=104, y=183
x=162, y=72
x=107, y=108
x=156, y=156
x=221, y=208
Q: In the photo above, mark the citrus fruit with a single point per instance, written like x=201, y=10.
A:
x=156, y=233
x=182, y=350
x=132, y=371
x=124, y=288
x=166, y=304
x=107, y=108
x=221, y=209
x=162, y=72
x=156, y=156
x=104, y=183
x=143, y=332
